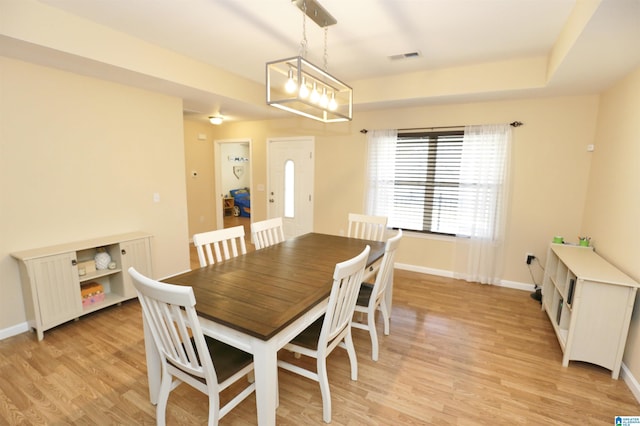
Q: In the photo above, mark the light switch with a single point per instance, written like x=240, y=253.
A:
x=156, y=197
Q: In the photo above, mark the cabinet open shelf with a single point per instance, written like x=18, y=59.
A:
x=92, y=276
x=110, y=299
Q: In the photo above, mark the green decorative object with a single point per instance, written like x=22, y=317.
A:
x=584, y=241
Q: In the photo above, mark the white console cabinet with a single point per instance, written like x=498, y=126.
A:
x=589, y=303
x=51, y=281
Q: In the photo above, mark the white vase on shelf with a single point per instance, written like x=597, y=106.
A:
x=102, y=258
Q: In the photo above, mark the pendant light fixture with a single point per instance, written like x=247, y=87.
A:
x=298, y=86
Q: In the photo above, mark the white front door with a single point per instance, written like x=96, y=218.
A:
x=290, y=186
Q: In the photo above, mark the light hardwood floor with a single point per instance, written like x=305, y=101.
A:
x=458, y=354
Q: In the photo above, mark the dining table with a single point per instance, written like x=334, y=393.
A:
x=260, y=301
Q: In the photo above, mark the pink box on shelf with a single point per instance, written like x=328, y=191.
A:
x=90, y=300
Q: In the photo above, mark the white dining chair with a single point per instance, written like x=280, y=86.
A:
x=223, y=243
x=186, y=355
x=367, y=227
x=371, y=297
x=332, y=329
x=268, y=232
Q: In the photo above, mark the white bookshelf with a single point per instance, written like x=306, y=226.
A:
x=51, y=281
x=589, y=302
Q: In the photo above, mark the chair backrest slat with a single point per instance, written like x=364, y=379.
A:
x=347, y=278
x=367, y=227
x=221, y=244
x=267, y=232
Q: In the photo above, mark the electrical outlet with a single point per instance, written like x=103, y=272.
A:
x=529, y=258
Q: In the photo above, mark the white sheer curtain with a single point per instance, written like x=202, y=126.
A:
x=483, y=199
x=381, y=174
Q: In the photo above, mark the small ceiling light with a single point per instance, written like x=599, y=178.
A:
x=290, y=80
x=216, y=119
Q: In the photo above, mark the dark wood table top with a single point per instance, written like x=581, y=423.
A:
x=262, y=292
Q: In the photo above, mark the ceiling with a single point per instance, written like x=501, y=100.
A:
x=241, y=36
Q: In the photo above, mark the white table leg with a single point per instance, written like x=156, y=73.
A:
x=265, y=361
x=265, y=357
x=153, y=364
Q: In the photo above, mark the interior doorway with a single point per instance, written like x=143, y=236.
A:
x=233, y=183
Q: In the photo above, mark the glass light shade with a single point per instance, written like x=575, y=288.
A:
x=297, y=102
x=216, y=120
x=324, y=100
x=291, y=85
x=315, y=95
x=332, y=102
x=304, y=89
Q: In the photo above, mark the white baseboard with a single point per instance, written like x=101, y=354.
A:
x=631, y=381
x=14, y=330
x=517, y=285
x=424, y=270
x=449, y=274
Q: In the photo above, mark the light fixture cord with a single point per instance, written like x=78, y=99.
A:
x=303, y=43
x=326, y=52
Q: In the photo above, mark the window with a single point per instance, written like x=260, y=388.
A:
x=442, y=182
x=427, y=181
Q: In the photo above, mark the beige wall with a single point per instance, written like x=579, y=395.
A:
x=81, y=158
x=201, y=190
x=612, y=209
x=199, y=152
x=549, y=171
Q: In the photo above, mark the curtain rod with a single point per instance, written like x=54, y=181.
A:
x=513, y=124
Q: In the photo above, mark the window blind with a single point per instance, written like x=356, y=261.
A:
x=427, y=181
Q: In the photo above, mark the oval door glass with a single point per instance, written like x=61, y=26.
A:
x=289, y=189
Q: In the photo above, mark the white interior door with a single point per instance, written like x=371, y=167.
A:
x=290, y=186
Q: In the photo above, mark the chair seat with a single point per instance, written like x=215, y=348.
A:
x=227, y=360
x=366, y=289
x=309, y=337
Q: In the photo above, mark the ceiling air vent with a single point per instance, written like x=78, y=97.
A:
x=405, y=56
